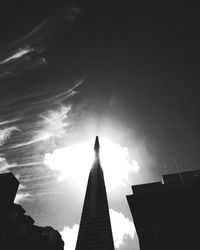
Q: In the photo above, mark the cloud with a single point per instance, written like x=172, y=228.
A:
x=20, y=197
x=17, y=54
x=54, y=122
x=54, y=25
x=63, y=95
x=29, y=164
x=114, y=159
x=69, y=236
x=8, y=121
x=19, y=145
x=25, y=53
x=5, y=134
x=55, y=96
x=4, y=166
x=21, y=186
x=36, y=132
x=122, y=228
x=31, y=178
x=21, y=59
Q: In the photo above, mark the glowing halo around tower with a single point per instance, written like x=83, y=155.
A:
x=75, y=161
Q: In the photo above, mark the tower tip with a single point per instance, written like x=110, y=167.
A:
x=96, y=145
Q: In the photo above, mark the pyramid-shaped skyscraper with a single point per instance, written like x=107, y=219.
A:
x=95, y=231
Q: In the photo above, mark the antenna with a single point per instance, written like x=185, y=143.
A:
x=177, y=167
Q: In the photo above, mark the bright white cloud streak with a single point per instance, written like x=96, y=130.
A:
x=20, y=197
x=55, y=123
x=4, y=166
x=8, y=121
x=5, y=134
x=19, y=53
x=122, y=229
x=76, y=160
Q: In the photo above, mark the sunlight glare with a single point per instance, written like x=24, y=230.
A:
x=76, y=161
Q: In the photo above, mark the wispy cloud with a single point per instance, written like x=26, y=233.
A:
x=45, y=194
x=21, y=197
x=52, y=123
x=32, y=178
x=5, y=134
x=17, y=54
x=54, y=25
x=32, y=121
x=60, y=97
x=21, y=187
x=8, y=121
x=26, y=53
x=37, y=132
x=31, y=142
x=55, y=122
x=21, y=60
x=4, y=166
x=29, y=164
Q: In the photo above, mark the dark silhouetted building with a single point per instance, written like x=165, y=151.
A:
x=17, y=230
x=166, y=214
x=8, y=189
x=95, y=231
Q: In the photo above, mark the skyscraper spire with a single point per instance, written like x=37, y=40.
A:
x=95, y=231
x=96, y=147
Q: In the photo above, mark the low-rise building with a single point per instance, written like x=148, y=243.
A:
x=17, y=230
x=166, y=214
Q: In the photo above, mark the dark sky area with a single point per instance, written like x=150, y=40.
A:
x=132, y=67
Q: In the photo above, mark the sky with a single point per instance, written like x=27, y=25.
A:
x=71, y=70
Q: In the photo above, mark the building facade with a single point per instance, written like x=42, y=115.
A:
x=166, y=214
x=17, y=230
